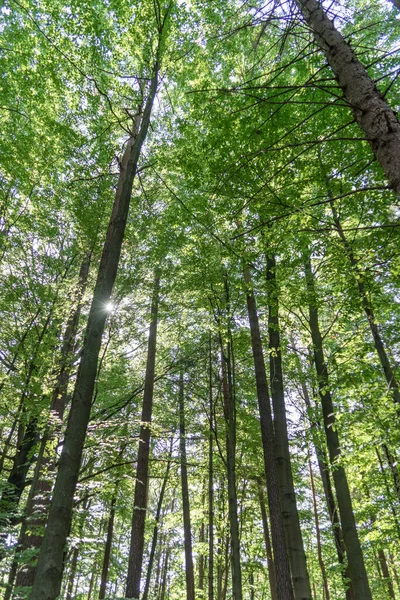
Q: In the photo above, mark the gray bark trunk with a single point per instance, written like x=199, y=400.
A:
x=378, y=121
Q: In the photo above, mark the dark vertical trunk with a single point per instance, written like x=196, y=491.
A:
x=142, y=469
x=357, y=571
x=72, y=573
x=230, y=419
x=359, y=275
x=328, y=491
x=291, y=521
x=164, y=579
x=49, y=570
x=210, y=483
x=155, y=529
x=318, y=534
x=370, y=110
x=386, y=574
x=38, y=505
x=107, y=548
x=189, y=569
x=267, y=540
x=282, y=569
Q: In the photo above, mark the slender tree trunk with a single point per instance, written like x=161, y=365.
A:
x=358, y=573
x=72, y=573
x=385, y=573
x=359, y=275
x=38, y=505
x=267, y=540
x=327, y=486
x=282, y=569
x=291, y=521
x=189, y=570
x=49, y=570
x=156, y=525
x=374, y=116
x=210, y=483
x=318, y=534
x=230, y=419
x=163, y=585
x=107, y=548
x=142, y=469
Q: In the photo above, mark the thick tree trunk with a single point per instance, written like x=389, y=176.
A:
x=230, y=420
x=378, y=121
x=189, y=568
x=357, y=571
x=290, y=516
x=49, y=570
x=155, y=529
x=142, y=469
x=282, y=569
x=267, y=540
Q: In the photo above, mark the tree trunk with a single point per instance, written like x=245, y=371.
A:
x=230, y=420
x=267, y=540
x=370, y=110
x=155, y=529
x=107, y=548
x=357, y=569
x=318, y=534
x=142, y=469
x=49, y=570
x=282, y=569
x=38, y=505
x=385, y=573
x=210, y=483
x=189, y=570
x=290, y=516
x=391, y=380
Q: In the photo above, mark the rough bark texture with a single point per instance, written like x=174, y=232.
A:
x=378, y=121
x=142, y=469
x=187, y=530
x=357, y=569
x=49, y=570
x=282, y=569
x=291, y=521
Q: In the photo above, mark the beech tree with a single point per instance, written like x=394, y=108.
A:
x=232, y=171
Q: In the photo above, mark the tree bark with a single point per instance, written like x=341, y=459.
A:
x=210, y=482
x=282, y=569
x=155, y=529
x=378, y=121
x=230, y=420
x=290, y=516
x=49, y=570
x=107, y=548
x=357, y=571
x=38, y=505
x=142, y=469
x=189, y=570
x=318, y=535
x=267, y=540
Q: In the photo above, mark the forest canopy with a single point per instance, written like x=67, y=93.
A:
x=199, y=300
